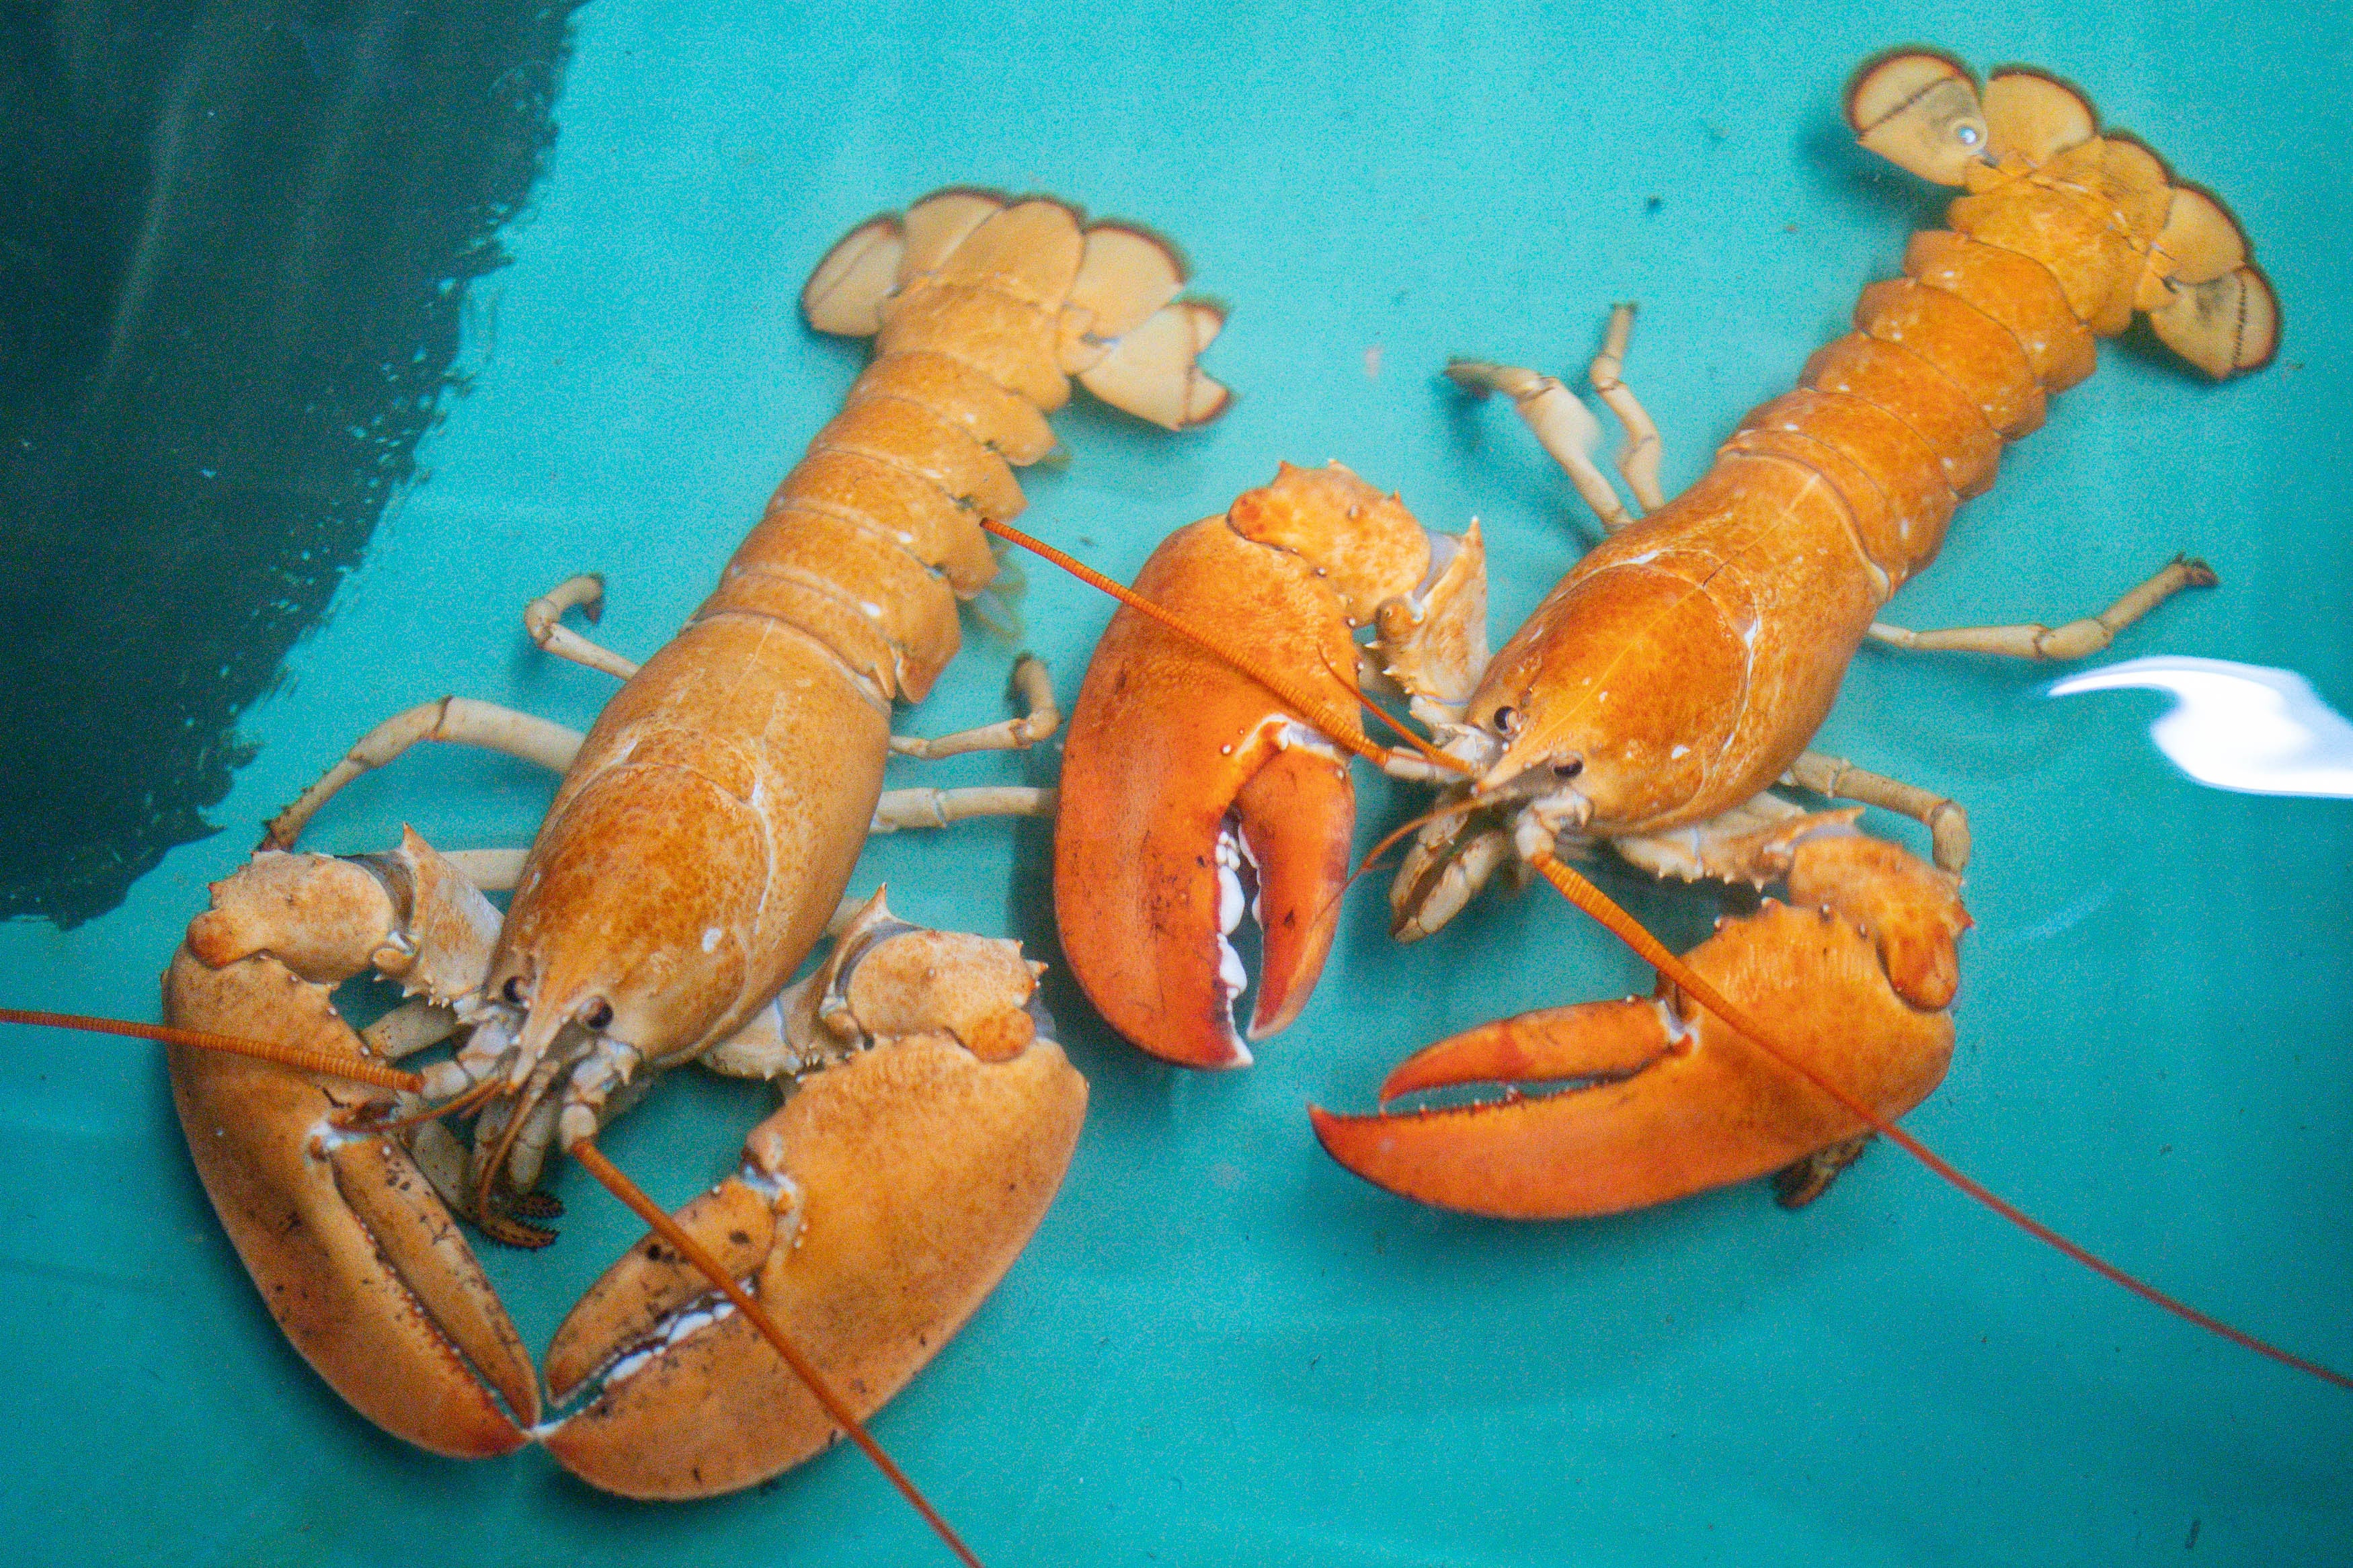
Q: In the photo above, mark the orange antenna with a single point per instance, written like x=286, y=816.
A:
x=1581, y=892
x=1414, y=824
x=1390, y=721
x=329, y=1064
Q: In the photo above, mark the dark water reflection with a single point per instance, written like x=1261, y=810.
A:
x=235, y=249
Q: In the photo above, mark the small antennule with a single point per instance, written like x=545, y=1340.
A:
x=1920, y=112
x=844, y=296
x=1151, y=372
x=2222, y=326
x=2031, y=116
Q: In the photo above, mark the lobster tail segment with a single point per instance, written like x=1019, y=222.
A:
x=2101, y=215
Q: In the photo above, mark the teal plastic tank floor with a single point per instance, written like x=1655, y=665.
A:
x=1220, y=1348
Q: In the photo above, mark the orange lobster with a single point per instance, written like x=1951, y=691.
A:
x=1650, y=703
x=696, y=851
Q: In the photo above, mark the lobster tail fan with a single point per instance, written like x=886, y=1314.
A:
x=2223, y=326
x=2035, y=117
x=1125, y=274
x=2207, y=301
x=1919, y=112
x=844, y=296
x=941, y=222
x=1153, y=374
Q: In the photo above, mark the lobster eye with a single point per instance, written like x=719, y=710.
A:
x=597, y=1016
x=513, y=991
x=1507, y=721
x=1569, y=769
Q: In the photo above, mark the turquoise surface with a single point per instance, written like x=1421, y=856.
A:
x=1220, y=1347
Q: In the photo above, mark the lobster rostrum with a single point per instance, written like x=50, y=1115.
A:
x=1650, y=702
x=696, y=851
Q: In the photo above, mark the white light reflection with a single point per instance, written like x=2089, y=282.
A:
x=2238, y=726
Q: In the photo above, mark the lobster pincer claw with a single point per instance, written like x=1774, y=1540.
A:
x=1664, y=1099
x=355, y=1255
x=1185, y=782
x=871, y=1216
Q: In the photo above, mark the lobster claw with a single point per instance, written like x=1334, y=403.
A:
x=1185, y=782
x=1178, y=774
x=872, y=1213
x=354, y=1253
x=1664, y=1100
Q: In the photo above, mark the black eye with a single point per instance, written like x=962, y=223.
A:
x=513, y=991
x=598, y=1014
x=1569, y=769
x=1507, y=721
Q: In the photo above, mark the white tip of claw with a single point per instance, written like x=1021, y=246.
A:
x=1151, y=372
x=845, y=294
x=1920, y=112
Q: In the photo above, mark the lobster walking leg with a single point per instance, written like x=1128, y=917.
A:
x=1040, y=717
x=898, y=808
x=543, y=619
x=1946, y=821
x=456, y=721
x=1570, y=434
x=1638, y=461
x=2076, y=639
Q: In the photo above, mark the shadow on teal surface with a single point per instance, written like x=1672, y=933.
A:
x=237, y=259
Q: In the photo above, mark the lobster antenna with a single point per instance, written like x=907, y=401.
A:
x=1581, y=892
x=354, y=1120
x=591, y=1160
x=1316, y=708
x=333, y=1064
x=1390, y=721
x=327, y=1064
